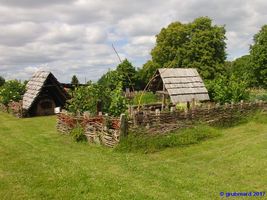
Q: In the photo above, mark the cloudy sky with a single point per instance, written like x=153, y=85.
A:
x=75, y=36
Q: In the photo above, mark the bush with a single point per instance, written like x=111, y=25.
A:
x=12, y=90
x=226, y=89
x=78, y=134
x=137, y=142
x=87, y=98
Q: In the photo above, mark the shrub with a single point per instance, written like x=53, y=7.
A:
x=226, y=89
x=12, y=90
x=78, y=134
x=87, y=98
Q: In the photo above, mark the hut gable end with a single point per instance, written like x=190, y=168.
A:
x=43, y=85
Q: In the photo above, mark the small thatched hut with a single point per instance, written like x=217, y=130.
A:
x=181, y=84
x=43, y=94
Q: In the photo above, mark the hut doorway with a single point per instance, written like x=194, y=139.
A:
x=45, y=107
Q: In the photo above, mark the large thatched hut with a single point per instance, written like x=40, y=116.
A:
x=43, y=94
x=181, y=84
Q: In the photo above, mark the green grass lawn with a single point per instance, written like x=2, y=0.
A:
x=38, y=163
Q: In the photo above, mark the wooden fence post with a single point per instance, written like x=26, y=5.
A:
x=123, y=126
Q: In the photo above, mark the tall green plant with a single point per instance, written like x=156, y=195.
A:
x=227, y=89
x=87, y=98
x=118, y=103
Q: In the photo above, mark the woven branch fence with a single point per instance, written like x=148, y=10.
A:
x=103, y=130
x=157, y=122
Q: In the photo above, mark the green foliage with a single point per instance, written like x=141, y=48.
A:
x=2, y=81
x=118, y=103
x=226, y=89
x=146, y=73
x=127, y=73
x=12, y=90
x=86, y=98
x=110, y=79
x=258, y=53
x=124, y=73
x=198, y=44
x=241, y=67
x=74, y=80
x=145, y=98
x=147, y=143
x=78, y=134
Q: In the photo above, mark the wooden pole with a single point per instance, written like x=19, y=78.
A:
x=123, y=126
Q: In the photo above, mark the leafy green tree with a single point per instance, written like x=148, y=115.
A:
x=110, y=79
x=74, y=80
x=12, y=90
x=258, y=52
x=198, y=44
x=2, y=81
x=127, y=73
x=242, y=68
x=124, y=73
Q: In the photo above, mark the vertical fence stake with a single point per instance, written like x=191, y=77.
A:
x=123, y=126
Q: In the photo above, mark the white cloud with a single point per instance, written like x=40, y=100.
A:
x=75, y=36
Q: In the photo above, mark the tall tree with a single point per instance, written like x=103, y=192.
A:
x=74, y=80
x=127, y=73
x=258, y=52
x=198, y=44
x=2, y=81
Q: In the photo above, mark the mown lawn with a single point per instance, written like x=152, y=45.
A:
x=38, y=163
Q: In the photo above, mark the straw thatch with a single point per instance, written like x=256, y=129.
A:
x=43, y=83
x=183, y=84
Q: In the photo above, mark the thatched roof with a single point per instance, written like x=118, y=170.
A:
x=183, y=84
x=35, y=86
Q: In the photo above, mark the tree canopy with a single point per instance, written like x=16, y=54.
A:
x=198, y=44
x=124, y=73
x=74, y=80
x=2, y=81
x=127, y=73
x=258, y=52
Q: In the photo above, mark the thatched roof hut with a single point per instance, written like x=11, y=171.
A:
x=43, y=94
x=181, y=84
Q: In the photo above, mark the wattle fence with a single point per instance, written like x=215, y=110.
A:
x=103, y=130
x=160, y=122
x=108, y=131
x=15, y=108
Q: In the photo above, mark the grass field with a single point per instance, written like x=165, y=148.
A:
x=38, y=163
